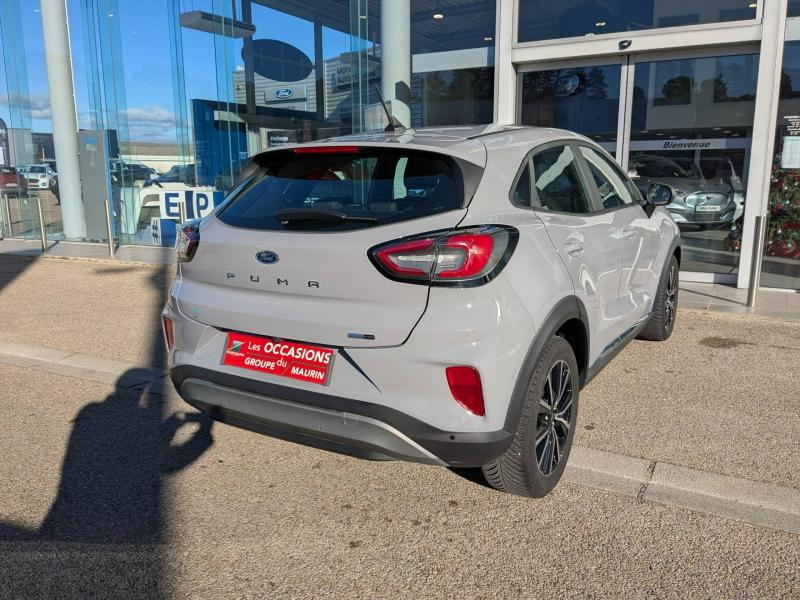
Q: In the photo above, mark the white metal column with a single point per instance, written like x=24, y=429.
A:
x=505, y=76
x=764, y=124
x=55, y=28
x=626, y=81
x=396, y=57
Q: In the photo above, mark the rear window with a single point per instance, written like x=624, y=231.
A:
x=8, y=171
x=350, y=190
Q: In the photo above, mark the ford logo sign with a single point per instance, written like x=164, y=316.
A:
x=266, y=257
x=284, y=93
x=566, y=84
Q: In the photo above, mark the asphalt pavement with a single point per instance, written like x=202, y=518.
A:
x=112, y=487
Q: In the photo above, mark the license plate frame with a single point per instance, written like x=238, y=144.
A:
x=707, y=209
x=298, y=361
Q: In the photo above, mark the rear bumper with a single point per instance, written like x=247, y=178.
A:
x=332, y=423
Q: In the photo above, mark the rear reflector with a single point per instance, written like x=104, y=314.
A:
x=326, y=150
x=465, y=385
x=169, y=336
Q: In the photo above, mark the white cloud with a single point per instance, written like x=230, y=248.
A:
x=37, y=104
x=151, y=123
x=145, y=123
x=40, y=107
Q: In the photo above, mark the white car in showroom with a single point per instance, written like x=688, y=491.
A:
x=39, y=177
x=438, y=295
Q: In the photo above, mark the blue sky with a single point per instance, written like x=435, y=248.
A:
x=147, y=62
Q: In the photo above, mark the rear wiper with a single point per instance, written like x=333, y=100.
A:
x=297, y=215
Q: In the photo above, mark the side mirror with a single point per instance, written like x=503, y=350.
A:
x=659, y=194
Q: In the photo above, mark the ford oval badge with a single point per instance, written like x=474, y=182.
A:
x=284, y=93
x=566, y=84
x=267, y=257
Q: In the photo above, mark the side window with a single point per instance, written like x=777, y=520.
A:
x=522, y=193
x=614, y=190
x=558, y=185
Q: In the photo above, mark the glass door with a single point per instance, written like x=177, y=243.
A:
x=691, y=127
x=781, y=262
x=685, y=121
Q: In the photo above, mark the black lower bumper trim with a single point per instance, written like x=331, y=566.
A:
x=457, y=449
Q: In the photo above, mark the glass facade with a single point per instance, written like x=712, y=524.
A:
x=26, y=165
x=691, y=129
x=177, y=95
x=781, y=263
x=552, y=19
x=174, y=97
x=582, y=99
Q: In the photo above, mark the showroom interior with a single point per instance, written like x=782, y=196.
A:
x=107, y=105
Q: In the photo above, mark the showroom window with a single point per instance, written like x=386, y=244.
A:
x=781, y=264
x=584, y=99
x=452, y=46
x=691, y=130
x=548, y=19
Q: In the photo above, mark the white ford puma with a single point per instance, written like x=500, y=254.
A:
x=438, y=295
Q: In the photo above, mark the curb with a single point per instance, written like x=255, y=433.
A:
x=751, y=502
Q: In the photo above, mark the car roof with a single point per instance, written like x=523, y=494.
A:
x=467, y=142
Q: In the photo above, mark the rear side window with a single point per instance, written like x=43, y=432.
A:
x=558, y=185
x=355, y=189
x=522, y=193
x=614, y=190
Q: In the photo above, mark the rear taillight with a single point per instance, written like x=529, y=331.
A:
x=459, y=257
x=187, y=240
x=169, y=336
x=465, y=386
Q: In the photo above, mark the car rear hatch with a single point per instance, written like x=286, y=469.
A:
x=286, y=256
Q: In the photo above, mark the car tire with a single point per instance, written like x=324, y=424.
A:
x=665, y=306
x=539, y=451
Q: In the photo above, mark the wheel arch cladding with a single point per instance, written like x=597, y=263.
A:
x=574, y=331
x=567, y=319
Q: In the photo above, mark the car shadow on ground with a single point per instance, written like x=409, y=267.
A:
x=111, y=508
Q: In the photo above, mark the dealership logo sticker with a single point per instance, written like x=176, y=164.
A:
x=266, y=257
x=293, y=360
x=284, y=93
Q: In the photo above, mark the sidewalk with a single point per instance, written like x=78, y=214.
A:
x=753, y=502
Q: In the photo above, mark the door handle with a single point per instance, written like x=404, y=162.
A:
x=574, y=246
x=629, y=233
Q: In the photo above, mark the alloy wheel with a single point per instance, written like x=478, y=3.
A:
x=671, y=301
x=554, y=418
